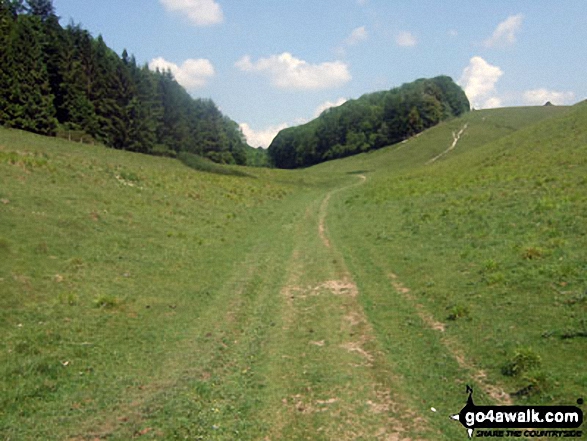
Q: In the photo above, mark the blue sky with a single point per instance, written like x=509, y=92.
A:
x=269, y=64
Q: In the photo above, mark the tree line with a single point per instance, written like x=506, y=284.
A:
x=63, y=81
x=373, y=121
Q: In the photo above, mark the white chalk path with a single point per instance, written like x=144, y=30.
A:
x=456, y=137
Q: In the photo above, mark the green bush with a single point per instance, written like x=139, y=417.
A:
x=524, y=360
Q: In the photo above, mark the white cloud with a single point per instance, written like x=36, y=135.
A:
x=492, y=103
x=405, y=39
x=261, y=138
x=453, y=33
x=357, y=35
x=327, y=105
x=287, y=72
x=541, y=96
x=478, y=80
x=199, y=12
x=505, y=33
x=193, y=73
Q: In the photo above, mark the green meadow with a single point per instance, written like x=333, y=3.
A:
x=153, y=298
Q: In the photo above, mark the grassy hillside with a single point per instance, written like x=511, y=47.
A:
x=143, y=298
x=108, y=262
x=489, y=240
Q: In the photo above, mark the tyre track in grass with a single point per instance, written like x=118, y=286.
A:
x=283, y=351
x=497, y=393
x=335, y=380
x=395, y=310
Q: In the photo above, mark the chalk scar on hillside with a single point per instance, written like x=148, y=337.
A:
x=480, y=376
x=456, y=137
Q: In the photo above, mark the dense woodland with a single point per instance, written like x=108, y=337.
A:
x=373, y=121
x=63, y=81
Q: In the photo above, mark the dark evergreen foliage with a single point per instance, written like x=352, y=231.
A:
x=56, y=80
x=370, y=122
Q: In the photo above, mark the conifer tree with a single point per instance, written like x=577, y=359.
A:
x=29, y=103
x=50, y=75
x=6, y=73
x=41, y=8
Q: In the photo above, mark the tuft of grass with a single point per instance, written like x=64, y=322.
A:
x=458, y=312
x=107, y=301
x=68, y=298
x=531, y=253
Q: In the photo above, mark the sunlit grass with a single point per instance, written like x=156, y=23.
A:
x=141, y=297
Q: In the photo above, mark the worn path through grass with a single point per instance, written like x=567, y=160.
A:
x=332, y=379
x=285, y=351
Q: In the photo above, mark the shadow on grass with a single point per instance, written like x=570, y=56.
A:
x=358, y=172
x=205, y=165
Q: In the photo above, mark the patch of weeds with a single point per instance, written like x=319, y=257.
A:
x=490, y=265
x=42, y=248
x=523, y=361
x=535, y=383
x=577, y=299
x=490, y=271
x=495, y=278
x=545, y=204
x=4, y=245
x=574, y=333
x=68, y=298
x=26, y=348
x=76, y=263
x=458, y=312
x=129, y=176
x=24, y=160
x=532, y=253
x=106, y=301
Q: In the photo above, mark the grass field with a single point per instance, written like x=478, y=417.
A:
x=141, y=298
